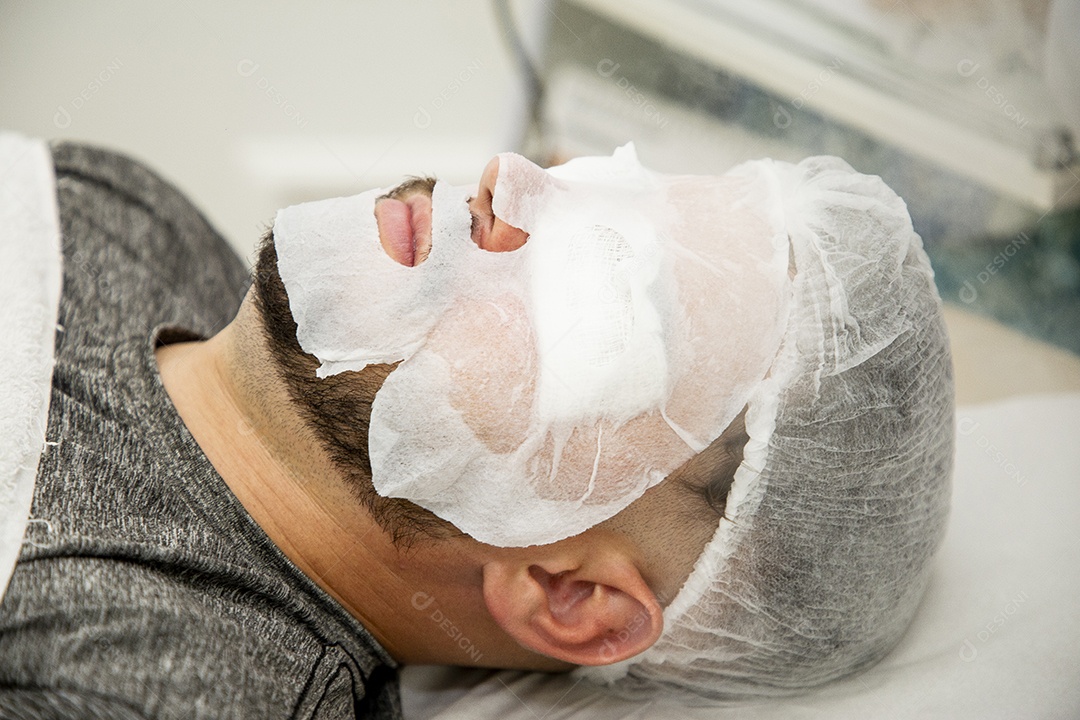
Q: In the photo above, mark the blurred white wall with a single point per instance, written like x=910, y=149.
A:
x=249, y=106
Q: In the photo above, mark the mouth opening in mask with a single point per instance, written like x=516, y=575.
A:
x=403, y=217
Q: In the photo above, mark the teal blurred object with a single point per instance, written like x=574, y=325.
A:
x=1000, y=224
x=1030, y=280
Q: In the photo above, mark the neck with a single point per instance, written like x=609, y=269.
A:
x=424, y=605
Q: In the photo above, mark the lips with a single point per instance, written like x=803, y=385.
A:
x=405, y=227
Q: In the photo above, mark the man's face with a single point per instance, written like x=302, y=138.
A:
x=567, y=338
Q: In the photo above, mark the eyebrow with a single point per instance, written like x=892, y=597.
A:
x=726, y=452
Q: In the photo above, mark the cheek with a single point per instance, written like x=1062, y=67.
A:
x=491, y=353
x=603, y=461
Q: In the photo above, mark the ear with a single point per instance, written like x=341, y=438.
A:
x=594, y=610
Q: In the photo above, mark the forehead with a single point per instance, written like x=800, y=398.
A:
x=690, y=209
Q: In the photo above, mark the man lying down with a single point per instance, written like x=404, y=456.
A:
x=676, y=434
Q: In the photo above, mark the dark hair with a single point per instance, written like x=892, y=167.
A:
x=337, y=408
x=338, y=411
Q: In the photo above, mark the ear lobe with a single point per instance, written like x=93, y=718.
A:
x=583, y=615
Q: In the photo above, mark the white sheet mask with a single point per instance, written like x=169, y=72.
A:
x=541, y=391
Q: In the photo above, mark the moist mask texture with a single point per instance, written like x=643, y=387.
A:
x=541, y=391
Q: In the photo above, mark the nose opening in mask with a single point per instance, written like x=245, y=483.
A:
x=491, y=231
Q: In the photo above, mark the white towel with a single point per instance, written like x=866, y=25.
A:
x=30, y=279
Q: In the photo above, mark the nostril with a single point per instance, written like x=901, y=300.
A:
x=504, y=237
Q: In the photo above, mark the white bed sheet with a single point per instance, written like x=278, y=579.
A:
x=998, y=634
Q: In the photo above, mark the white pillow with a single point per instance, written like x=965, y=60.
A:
x=998, y=634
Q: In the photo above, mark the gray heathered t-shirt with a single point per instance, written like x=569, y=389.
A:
x=144, y=589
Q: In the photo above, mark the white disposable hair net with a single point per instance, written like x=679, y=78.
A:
x=842, y=496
